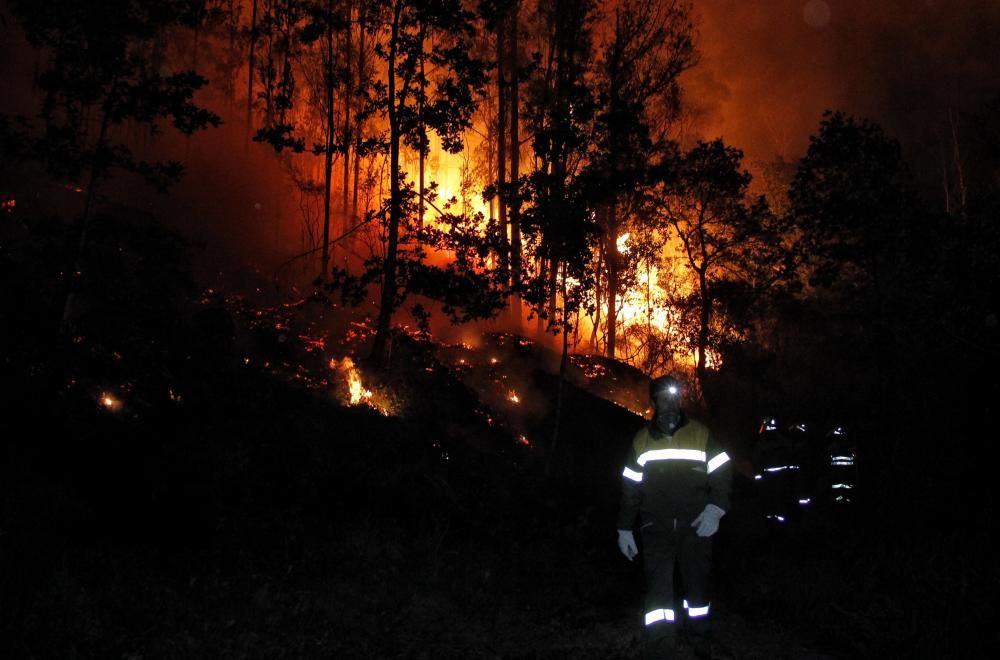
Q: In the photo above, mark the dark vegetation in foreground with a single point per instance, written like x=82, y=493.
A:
x=226, y=513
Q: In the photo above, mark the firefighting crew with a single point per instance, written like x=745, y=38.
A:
x=677, y=479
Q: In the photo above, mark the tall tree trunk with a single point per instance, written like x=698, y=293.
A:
x=553, y=287
x=502, y=148
x=598, y=296
x=423, y=130
x=388, y=298
x=515, y=164
x=269, y=72
x=705, y=317
x=543, y=265
x=358, y=127
x=328, y=156
x=563, y=364
x=611, y=259
x=348, y=104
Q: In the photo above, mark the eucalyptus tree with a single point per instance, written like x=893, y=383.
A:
x=724, y=235
x=556, y=222
x=416, y=99
x=645, y=49
x=559, y=111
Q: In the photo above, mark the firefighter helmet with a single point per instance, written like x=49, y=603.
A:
x=665, y=393
x=665, y=387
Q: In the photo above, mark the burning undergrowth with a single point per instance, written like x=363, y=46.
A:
x=295, y=341
x=500, y=369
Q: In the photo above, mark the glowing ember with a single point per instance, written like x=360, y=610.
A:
x=109, y=402
x=513, y=397
x=522, y=440
x=310, y=344
x=8, y=205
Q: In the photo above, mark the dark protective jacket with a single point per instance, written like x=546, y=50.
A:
x=670, y=479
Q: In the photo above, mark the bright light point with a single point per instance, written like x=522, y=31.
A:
x=816, y=13
x=623, y=243
x=672, y=389
x=514, y=398
x=108, y=401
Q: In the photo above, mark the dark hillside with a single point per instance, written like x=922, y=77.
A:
x=178, y=482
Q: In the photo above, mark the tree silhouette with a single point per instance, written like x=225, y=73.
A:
x=724, y=235
x=100, y=74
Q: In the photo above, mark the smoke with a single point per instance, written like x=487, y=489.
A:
x=769, y=68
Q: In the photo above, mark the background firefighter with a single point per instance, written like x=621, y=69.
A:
x=677, y=480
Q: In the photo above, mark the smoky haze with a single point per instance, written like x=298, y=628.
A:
x=769, y=68
x=767, y=71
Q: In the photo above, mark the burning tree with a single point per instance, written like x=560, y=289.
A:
x=648, y=46
x=414, y=102
x=308, y=103
x=725, y=237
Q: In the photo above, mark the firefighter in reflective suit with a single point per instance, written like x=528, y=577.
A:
x=841, y=478
x=777, y=461
x=677, y=480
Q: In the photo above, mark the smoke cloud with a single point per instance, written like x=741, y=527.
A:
x=769, y=68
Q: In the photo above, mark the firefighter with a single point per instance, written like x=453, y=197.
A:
x=777, y=460
x=677, y=480
x=841, y=476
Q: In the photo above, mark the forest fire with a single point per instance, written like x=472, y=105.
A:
x=351, y=188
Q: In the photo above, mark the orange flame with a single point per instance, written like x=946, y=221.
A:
x=357, y=392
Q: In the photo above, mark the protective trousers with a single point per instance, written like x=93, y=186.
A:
x=663, y=546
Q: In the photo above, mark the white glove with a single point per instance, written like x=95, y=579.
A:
x=707, y=522
x=626, y=543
